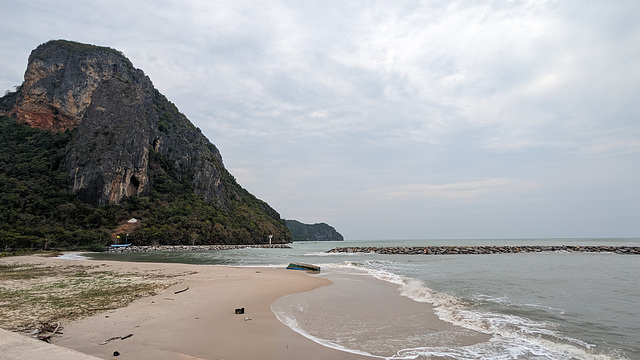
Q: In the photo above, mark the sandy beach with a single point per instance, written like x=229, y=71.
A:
x=199, y=323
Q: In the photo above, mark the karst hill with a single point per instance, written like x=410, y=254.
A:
x=313, y=232
x=111, y=147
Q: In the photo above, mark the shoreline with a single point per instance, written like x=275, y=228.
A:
x=371, y=317
x=194, y=317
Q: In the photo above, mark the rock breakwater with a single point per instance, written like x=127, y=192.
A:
x=152, y=248
x=456, y=250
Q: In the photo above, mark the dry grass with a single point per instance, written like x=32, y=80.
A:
x=33, y=294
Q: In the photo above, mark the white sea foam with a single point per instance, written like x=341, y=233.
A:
x=514, y=337
x=72, y=256
x=326, y=254
x=505, y=301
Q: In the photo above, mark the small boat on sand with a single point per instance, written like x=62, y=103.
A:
x=302, y=266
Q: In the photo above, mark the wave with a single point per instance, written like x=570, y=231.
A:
x=285, y=318
x=506, y=302
x=513, y=337
x=73, y=256
x=327, y=254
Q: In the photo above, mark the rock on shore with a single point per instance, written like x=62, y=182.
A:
x=454, y=250
x=192, y=248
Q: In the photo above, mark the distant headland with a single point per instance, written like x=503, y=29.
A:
x=312, y=232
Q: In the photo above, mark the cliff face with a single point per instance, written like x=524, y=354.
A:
x=118, y=118
x=60, y=80
x=128, y=141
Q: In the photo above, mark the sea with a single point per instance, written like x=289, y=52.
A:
x=550, y=305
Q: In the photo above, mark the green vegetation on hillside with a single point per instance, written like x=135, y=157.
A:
x=38, y=211
x=172, y=214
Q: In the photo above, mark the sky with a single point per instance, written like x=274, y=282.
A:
x=392, y=119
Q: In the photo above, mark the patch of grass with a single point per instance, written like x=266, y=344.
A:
x=21, y=272
x=31, y=294
x=23, y=252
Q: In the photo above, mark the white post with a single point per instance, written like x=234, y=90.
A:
x=270, y=236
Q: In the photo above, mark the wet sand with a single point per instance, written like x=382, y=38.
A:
x=369, y=315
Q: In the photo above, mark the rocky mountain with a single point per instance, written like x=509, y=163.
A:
x=313, y=232
x=127, y=140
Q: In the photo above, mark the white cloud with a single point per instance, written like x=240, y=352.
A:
x=344, y=109
x=480, y=190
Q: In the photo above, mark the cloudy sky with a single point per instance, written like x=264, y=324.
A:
x=392, y=119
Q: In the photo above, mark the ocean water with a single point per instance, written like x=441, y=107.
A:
x=521, y=306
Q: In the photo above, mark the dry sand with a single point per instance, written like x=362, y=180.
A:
x=199, y=323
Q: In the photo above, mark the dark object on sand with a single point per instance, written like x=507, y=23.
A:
x=116, y=337
x=116, y=353
x=180, y=291
x=46, y=327
x=302, y=266
x=240, y=311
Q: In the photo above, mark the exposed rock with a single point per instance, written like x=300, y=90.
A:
x=193, y=248
x=119, y=118
x=60, y=80
x=125, y=133
x=474, y=250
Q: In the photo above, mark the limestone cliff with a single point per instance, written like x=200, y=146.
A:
x=61, y=79
x=118, y=118
x=119, y=123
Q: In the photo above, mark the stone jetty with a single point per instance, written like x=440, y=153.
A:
x=457, y=250
x=132, y=249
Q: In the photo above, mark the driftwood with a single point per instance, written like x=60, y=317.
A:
x=116, y=337
x=47, y=338
x=180, y=291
